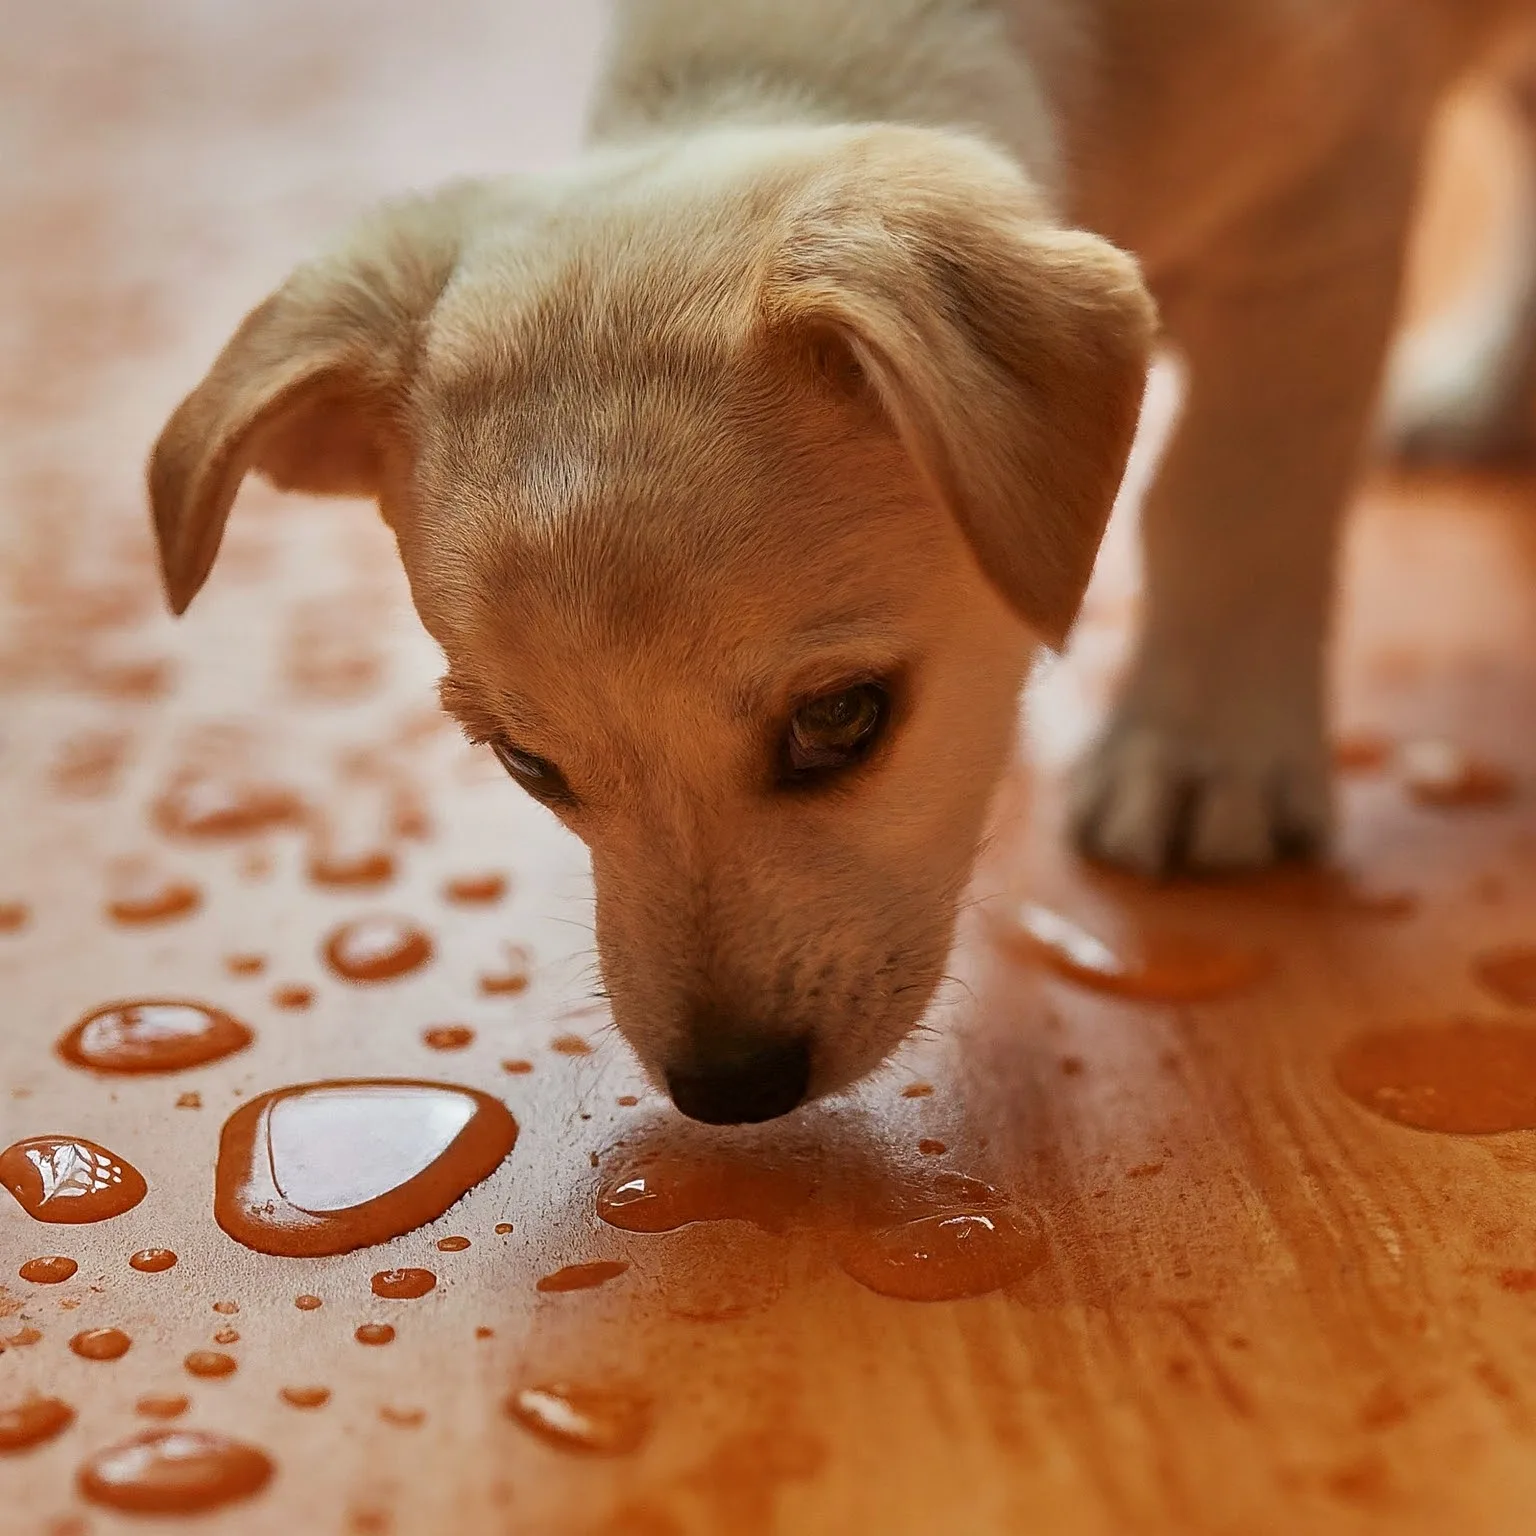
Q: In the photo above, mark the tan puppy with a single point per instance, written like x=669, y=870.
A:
x=739, y=470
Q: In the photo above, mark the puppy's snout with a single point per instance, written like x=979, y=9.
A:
x=729, y=1080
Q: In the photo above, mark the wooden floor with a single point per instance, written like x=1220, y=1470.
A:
x=1260, y=1306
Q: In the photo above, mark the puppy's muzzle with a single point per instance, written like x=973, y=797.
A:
x=734, y=1080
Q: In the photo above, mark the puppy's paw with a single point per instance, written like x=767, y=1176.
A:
x=1159, y=797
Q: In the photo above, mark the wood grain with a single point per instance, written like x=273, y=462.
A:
x=1263, y=1309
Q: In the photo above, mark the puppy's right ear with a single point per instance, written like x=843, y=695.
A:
x=309, y=391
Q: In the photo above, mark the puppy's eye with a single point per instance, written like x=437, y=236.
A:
x=537, y=775
x=835, y=730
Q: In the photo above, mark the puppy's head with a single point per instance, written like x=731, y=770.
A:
x=737, y=478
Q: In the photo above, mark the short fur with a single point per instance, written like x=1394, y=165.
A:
x=810, y=371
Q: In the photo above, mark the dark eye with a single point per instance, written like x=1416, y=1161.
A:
x=537, y=775
x=834, y=730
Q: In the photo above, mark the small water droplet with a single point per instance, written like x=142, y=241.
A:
x=374, y=1333
x=1170, y=968
x=475, y=890
x=101, y=1344
x=582, y=1277
x=1466, y=1077
x=152, y=1261
x=68, y=1179
x=148, y=900
x=1445, y=776
x=601, y=1421
x=153, y=1035
x=370, y=868
x=33, y=1422
x=305, y=1397
x=447, y=1037
x=403, y=1284
x=211, y=1363
x=173, y=1472
x=51, y=1270
x=377, y=948
x=162, y=1405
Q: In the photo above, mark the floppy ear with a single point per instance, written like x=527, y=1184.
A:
x=1009, y=353
x=309, y=391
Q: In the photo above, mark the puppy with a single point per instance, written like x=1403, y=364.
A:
x=740, y=469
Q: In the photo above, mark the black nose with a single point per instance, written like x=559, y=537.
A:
x=724, y=1086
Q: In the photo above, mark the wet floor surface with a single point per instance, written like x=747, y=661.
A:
x=329, y=1201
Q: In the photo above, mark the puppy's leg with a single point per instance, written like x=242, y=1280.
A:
x=1215, y=756
x=1463, y=388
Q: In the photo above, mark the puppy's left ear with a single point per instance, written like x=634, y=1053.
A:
x=1009, y=353
x=310, y=390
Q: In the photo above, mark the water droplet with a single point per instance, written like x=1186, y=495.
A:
x=153, y=1035
x=245, y=965
x=374, y=1333
x=452, y=1244
x=1361, y=752
x=51, y=1270
x=403, y=1284
x=662, y=1193
x=152, y=1261
x=475, y=890
x=402, y=1418
x=917, y=1090
x=1170, y=968
x=322, y=1168
x=945, y=1256
x=1444, y=775
x=570, y=1045
x=210, y=1363
x=1509, y=974
x=22, y=1338
x=502, y=1228
x=582, y=1277
x=377, y=948
x=517, y=1067
x=601, y=1421
x=626, y=1101
x=189, y=1101
x=149, y=900
x=293, y=996
x=373, y=867
x=511, y=978
x=447, y=1037
x=205, y=805
x=1465, y=1077
x=33, y=1422
x=162, y=1405
x=14, y=916
x=305, y=1397
x=173, y=1472
x=226, y=1308
x=101, y=1344
x=69, y=1179
x=307, y=1303
x=227, y=1336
